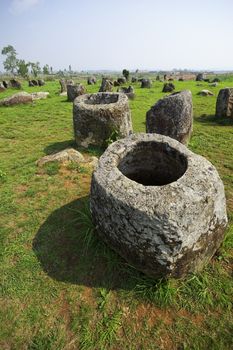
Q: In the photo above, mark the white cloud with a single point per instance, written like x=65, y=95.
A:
x=19, y=6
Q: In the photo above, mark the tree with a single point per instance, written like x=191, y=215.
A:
x=22, y=68
x=35, y=68
x=125, y=73
x=46, y=69
x=10, y=63
x=51, y=70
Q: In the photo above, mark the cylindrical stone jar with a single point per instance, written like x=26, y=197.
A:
x=157, y=204
x=99, y=117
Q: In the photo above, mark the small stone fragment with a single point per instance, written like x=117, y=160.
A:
x=205, y=93
x=68, y=154
x=41, y=95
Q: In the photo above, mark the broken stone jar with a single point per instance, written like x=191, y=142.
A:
x=100, y=118
x=157, y=204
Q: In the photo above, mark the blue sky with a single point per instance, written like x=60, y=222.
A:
x=105, y=34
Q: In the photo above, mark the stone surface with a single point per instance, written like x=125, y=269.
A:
x=168, y=87
x=115, y=83
x=34, y=82
x=146, y=83
x=15, y=84
x=30, y=83
x=128, y=91
x=224, y=104
x=200, y=77
x=94, y=162
x=20, y=97
x=205, y=93
x=74, y=91
x=172, y=116
x=64, y=93
x=63, y=85
x=213, y=84
x=91, y=80
x=41, y=95
x=68, y=154
x=5, y=84
x=134, y=79
x=41, y=82
x=97, y=117
x=106, y=85
x=158, y=205
x=2, y=88
x=121, y=80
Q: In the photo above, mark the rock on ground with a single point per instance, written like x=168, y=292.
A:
x=20, y=97
x=146, y=83
x=205, y=93
x=128, y=91
x=172, y=116
x=15, y=84
x=224, y=104
x=158, y=205
x=41, y=95
x=168, y=87
x=200, y=77
x=121, y=80
x=91, y=80
x=68, y=154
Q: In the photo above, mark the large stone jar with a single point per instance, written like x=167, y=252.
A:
x=100, y=117
x=172, y=116
x=224, y=104
x=157, y=204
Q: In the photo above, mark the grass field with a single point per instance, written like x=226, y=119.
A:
x=61, y=288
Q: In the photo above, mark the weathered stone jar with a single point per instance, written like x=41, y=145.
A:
x=172, y=116
x=74, y=91
x=157, y=204
x=224, y=104
x=98, y=117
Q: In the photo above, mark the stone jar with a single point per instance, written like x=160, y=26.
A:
x=74, y=91
x=172, y=116
x=158, y=205
x=168, y=87
x=106, y=85
x=99, y=117
x=146, y=83
x=224, y=104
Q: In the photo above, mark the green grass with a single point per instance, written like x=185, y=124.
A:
x=60, y=286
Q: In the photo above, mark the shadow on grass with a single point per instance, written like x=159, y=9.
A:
x=66, y=254
x=213, y=120
x=60, y=146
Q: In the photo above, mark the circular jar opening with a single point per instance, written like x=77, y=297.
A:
x=101, y=99
x=153, y=164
